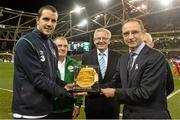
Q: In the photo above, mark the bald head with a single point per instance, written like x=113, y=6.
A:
x=148, y=40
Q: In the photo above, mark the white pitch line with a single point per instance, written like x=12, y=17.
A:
x=6, y=89
x=174, y=93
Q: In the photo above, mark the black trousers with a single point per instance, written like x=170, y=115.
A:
x=64, y=115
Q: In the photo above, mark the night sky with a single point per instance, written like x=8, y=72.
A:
x=92, y=6
x=34, y=5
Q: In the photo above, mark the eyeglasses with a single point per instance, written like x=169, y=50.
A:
x=101, y=38
x=134, y=32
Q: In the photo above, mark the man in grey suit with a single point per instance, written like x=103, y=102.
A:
x=97, y=106
x=143, y=80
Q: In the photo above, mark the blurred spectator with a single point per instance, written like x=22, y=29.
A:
x=176, y=68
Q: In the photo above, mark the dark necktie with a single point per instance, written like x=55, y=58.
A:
x=130, y=62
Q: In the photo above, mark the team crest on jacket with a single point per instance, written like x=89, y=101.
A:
x=71, y=68
x=42, y=57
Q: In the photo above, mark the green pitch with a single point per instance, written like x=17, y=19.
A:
x=6, y=78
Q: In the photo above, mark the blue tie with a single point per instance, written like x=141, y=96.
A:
x=102, y=64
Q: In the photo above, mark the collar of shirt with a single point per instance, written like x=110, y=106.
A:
x=62, y=62
x=37, y=31
x=138, y=50
x=61, y=67
x=105, y=52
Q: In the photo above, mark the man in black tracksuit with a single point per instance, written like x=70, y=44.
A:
x=35, y=68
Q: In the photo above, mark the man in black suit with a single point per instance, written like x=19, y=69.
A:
x=169, y=81
x=97, y=106
x=143, y=78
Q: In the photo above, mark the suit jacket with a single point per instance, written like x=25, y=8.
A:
x=144, y=91
x=96, y=105
x=170, y=81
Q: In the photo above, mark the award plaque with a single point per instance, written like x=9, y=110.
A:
x=86, y=78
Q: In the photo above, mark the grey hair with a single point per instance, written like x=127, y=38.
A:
x=103, y=30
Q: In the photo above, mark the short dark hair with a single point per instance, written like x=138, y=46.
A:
x=48, y=7
x=134, y=20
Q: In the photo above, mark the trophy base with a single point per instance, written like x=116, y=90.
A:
x=87, y=90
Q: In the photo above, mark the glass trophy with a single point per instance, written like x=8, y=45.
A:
x=86, y=78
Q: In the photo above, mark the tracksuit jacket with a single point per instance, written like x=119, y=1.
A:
x=64, y=105
x=35, y=71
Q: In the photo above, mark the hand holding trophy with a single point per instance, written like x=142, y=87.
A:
x=69, y=86
x=108, y=92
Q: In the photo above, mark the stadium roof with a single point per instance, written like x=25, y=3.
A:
x=20, y=18
x=34, y=5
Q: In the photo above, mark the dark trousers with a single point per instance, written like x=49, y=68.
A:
x=101, y=116
x=100, y=107
x=64, y=115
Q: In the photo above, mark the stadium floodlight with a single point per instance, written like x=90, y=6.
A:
x=2, y=26
x=83, y=23
x=166, y=2
x=98, y=16
x=143, y=7
x=104, y=2
x=77, y=9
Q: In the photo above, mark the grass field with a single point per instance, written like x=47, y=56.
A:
x=6, y=76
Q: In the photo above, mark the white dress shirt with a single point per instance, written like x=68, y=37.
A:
x=61, y=67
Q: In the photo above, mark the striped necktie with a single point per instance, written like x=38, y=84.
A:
x=102, y=64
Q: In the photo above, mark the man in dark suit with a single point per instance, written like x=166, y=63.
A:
x=169, y=81
x=97, y=106
x=143, y=80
